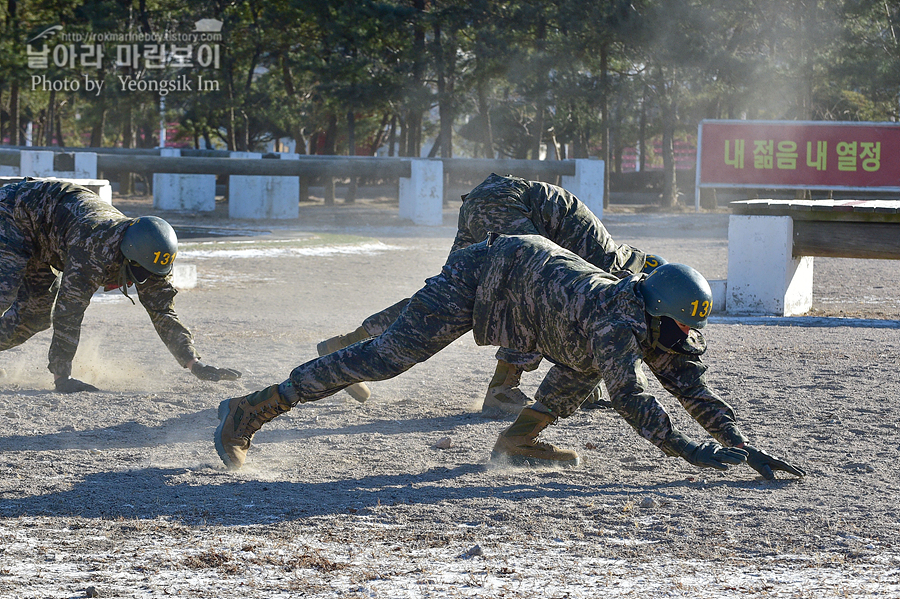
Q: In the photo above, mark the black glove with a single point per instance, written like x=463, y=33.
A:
x=70, y=385
x=712, y=455
x=595, y=401
x=766, y=464
x=205, y=372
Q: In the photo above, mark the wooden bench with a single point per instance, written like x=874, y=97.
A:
x=771, y=245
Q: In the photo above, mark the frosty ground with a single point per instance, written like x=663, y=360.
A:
x=120, y=493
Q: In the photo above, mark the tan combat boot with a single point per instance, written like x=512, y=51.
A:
x=518, y=444
x=503, y=396
x=240, y=418
x=358, y=391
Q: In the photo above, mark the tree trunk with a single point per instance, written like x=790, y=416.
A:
x=412, y=132
x=59, y=133
x=15, y=126
x=446, y=76
x=230, y=139
x=329, y=148
x=484, y=109
x=126, y=180
x=99, y=126
x=351, y=151
x=245, y=138
x=392, y=135
x=51, y=118
x=604, y=108
x=538, y=135
x=669, y=190
x=295, y=128
x=380, y=136
x=403, y=138
x=642, y=135
x=437, y=146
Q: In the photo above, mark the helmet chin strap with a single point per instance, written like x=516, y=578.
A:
x=654, y=323
x=653, y=329
x=124, y=278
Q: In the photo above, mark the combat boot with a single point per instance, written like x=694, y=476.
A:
x=503, y=397
x=518, y=445
x=240, y=418
x=358, y=391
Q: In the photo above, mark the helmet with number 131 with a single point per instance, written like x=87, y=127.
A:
x=149, y=246
x=678, y=300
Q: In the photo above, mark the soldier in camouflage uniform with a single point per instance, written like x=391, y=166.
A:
x=530, y=295
x=59, y=243
x=514, y=206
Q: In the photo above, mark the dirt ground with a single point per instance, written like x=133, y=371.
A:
x=121, y=494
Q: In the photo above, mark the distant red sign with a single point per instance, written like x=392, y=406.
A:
x=799, y=155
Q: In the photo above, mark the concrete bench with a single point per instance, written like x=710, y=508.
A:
x=771, y=245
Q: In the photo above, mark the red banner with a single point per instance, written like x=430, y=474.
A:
x=799, y=154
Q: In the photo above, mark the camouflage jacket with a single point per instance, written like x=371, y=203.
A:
x=69, y=228
x=535, y=296
x=513, y=206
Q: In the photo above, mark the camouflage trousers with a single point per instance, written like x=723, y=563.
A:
x=27, y=288
x=379, y=322
x=434, y=317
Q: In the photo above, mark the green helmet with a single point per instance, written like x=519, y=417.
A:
x=651, y=262
x=150, y=242
x=679, y=292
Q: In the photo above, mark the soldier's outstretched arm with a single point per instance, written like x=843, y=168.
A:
x=683, y=377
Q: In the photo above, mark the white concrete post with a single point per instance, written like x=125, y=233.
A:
x=85, y=165
x=718, y=288
x=183, y=192
x=36, y=163
x=763, y=276
x=587, y=184
x=262, y=196
x=422, y=194
x=184, y=276
x=99, y=186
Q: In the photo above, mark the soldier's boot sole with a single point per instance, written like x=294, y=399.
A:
x=358, y=391
x=240, y=418
x=231, y=460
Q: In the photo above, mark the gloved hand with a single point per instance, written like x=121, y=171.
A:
x=712, y=455
x=205, y=372
x=70, y=385
x=766, y=464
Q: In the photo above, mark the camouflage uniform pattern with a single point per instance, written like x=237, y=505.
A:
x=530, y=295
x=514, y=206
x=60, y=243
